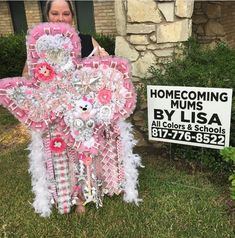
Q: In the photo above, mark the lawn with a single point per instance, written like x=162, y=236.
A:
x=177, y=202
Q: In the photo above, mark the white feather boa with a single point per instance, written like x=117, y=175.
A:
x=131, y=162
x=37, y=169
x=40, y=184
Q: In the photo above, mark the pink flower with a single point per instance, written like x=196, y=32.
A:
x=104, y=96
x=87, y=160
x=44, y=72
x=42, y=55
x=52, y=89
x=65, y=46
x=60, y=74
x=76, y=132
x=76, y=188
x=57, y=145
x=70, y=106
x=28, y=92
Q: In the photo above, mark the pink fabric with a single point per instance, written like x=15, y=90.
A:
x=77, y=103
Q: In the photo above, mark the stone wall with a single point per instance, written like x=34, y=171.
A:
x=104, y=17
x=214, y=21
x=207, y=26
x=228, y=21
x=149, y=31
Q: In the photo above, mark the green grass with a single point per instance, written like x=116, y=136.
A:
x=6, y=119
x=175, y=204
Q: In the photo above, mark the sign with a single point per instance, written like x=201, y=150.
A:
x=190, y=115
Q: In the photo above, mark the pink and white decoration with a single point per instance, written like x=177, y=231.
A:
x=76, y=109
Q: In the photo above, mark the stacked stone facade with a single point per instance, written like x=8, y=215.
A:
x=149, y=31
x=228, y=21
x=214, y=21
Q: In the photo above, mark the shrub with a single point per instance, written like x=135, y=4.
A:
x=13, y=55
x=228, y=155
x=199, y=68
x=107, y=42
x=13, y=52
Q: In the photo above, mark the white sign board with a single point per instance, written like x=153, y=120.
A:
x=190, y=115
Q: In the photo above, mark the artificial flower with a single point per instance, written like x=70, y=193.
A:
x=76, y=188
x=57, y=145
x=44, y=72
x=87, y=160
x=104, y=96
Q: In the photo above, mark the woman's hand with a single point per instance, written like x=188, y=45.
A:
x=100, y=51
x=25, y=72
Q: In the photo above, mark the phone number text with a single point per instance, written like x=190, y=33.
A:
x=190, y=136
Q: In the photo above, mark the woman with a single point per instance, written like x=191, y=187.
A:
x=85, y=150
x=62, y=11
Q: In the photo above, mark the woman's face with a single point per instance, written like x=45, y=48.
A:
x=60, y=12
